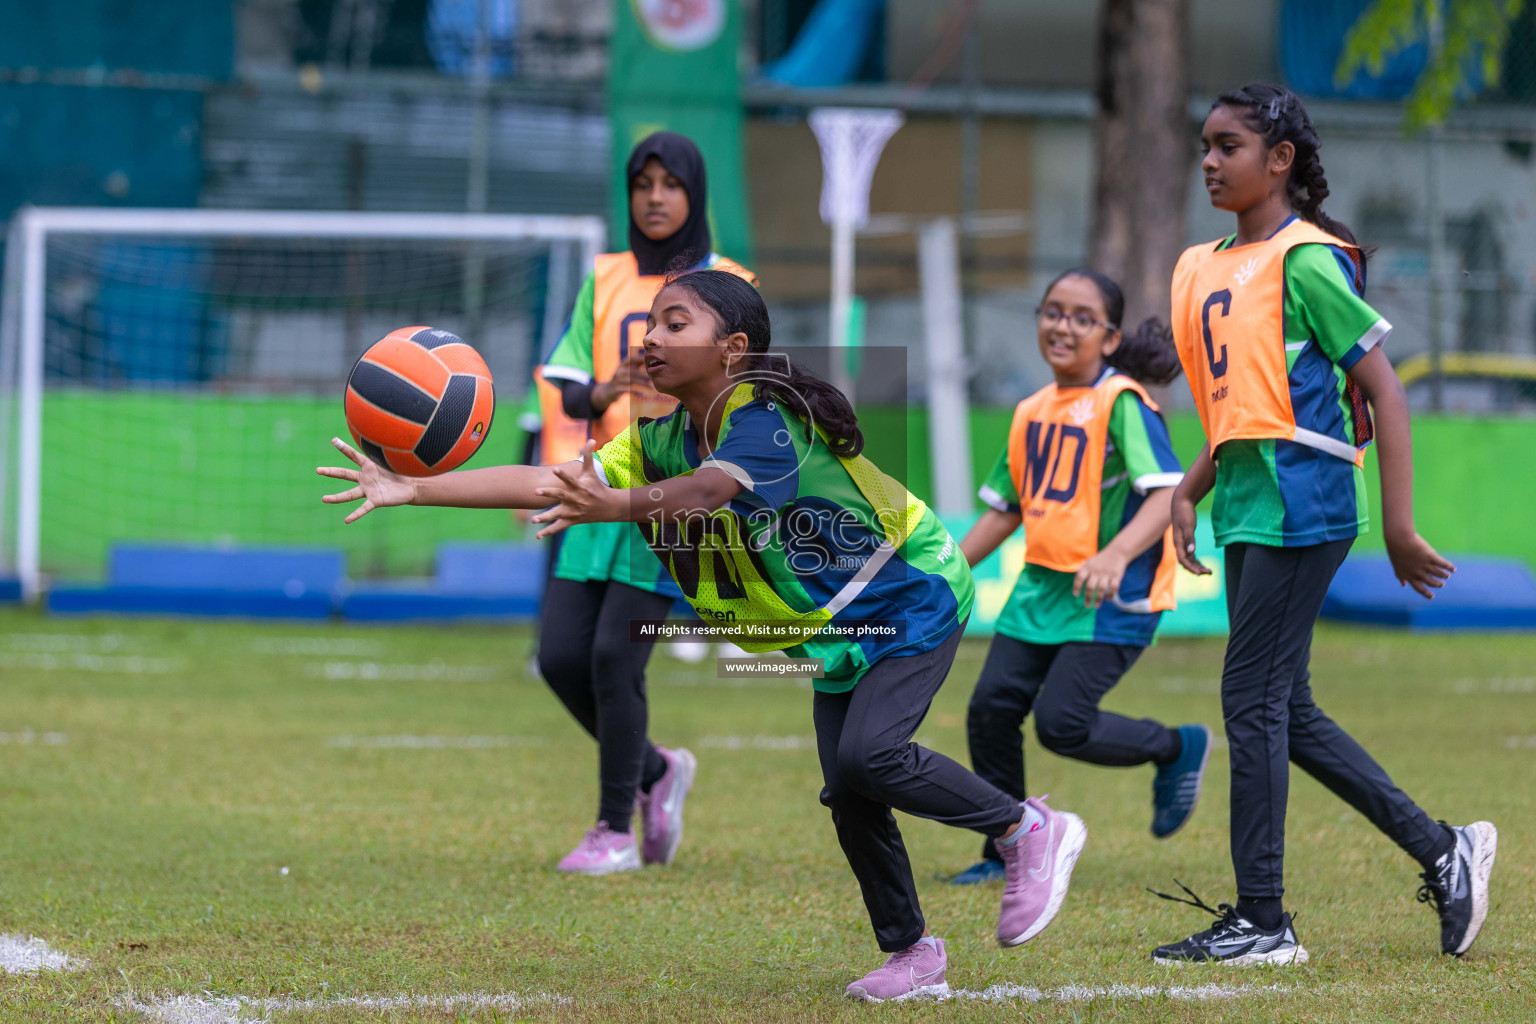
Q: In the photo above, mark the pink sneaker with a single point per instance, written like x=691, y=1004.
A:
x=913, y=973
x=602, y=851
x=1037, y=870
x=661, y=810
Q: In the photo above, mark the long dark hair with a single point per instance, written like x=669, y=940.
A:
x=1276, y=114
x=739, y=308
x=1147, y=354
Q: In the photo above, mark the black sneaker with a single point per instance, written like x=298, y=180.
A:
x=1232, y=939
x=1458, y=885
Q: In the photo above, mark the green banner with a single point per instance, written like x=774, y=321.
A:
x=672, y=66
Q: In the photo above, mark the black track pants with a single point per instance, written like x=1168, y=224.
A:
x=1062, y=684
x=588, y=659
x=1274, y=596
x=870, y=765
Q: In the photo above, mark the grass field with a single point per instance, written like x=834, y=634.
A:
x=239, y=813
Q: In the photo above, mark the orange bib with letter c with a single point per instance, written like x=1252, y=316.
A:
x=1229, y=327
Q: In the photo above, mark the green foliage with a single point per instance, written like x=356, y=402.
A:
x=1473, y=40
x=157, y=777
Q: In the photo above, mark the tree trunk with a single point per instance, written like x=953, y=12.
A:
x=1143, y=149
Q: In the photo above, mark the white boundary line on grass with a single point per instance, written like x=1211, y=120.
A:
x=131, y=664
x=27, y=737
x=433, y=742
x=376, y=671
x=1086, y=993
x=211, y=1009
x=25, y=954
x=90, y=643
x=316, y=645
x=758, y=742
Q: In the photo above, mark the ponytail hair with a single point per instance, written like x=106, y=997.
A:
x=1146, y=355
x=1276, y=114
x=739, y=308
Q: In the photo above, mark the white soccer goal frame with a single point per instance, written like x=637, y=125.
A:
x=22, y=318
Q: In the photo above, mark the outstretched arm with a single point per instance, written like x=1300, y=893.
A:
x=377, y=487
x=1414, y=561
x=580, y=495
x=576, y=491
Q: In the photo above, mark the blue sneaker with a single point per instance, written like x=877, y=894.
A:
x=981, y=871
x=1176, y=789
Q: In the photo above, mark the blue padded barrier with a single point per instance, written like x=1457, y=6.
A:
x=1483, y=594
x=302, y=583
x=10, y=591
x=488, y=582
x=253, y=604
x=424, y=603
x=491, y=569
x=288, y=570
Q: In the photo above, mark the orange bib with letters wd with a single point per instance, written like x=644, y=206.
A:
x=1229, y=327
x=1056, y=450
x=621, y=301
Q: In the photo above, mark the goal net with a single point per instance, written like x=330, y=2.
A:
x=176, y=375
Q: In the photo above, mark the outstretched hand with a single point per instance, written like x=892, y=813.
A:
x=581, y=496
x=1418, y=565
x=377, y=486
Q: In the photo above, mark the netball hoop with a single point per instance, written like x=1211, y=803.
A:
x=851, y=140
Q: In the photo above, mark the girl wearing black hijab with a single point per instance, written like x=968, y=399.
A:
x=594, y=384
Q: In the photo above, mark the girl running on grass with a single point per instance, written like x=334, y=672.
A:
x=594, y=385
x=1282, y=354
x=756, y=497
x=1089, y=470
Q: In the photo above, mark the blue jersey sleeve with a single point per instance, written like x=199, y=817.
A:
x=760, y=454
x=1142, y=439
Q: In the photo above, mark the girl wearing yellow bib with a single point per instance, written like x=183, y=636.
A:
x=592, y=385
x=1282, y=354
x=757, y=496
x=1089, y=471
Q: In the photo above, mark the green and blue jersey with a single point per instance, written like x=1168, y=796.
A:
x=810, y=534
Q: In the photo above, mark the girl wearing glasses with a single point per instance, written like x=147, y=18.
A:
x=1089, y=471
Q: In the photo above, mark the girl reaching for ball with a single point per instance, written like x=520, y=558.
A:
x=593, y=385
x=757, y=499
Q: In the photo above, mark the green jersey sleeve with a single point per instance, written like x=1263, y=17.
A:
x=1321, y=306
x=998, y=490
x=1140, y=437
x=572, y=357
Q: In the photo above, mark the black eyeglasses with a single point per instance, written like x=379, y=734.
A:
x=1079, y=324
